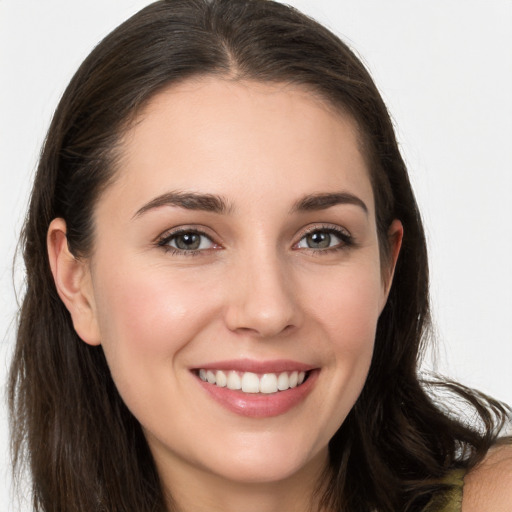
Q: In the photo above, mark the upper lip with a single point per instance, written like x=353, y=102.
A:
x=254, y=366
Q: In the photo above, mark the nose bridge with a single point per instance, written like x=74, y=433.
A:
x=262, y=299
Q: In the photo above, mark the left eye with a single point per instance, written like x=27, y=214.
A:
x=320, y=239
x=188, y=241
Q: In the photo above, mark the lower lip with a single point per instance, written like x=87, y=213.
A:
x=260, y=405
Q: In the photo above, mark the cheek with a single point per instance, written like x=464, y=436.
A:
x=347, y=314
x=343, y=306
x=347, y=304
x=146, y=319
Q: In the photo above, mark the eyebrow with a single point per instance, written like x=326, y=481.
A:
x=189, y=201
x=315, y=202
x=216, y=204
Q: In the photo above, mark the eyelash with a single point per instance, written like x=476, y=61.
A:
x=347, y=241
x=167, y=238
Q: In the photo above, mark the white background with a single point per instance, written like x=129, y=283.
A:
x=444, y=68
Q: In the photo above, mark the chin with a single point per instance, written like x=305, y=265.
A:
x=265, y=461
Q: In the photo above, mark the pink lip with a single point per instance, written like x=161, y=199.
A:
x=259, y=405
x=260, y=367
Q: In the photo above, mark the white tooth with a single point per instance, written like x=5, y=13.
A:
x=268, y=383
x=302, y=376
x=283, y=382
x=250, y=383
x=234, y=381
x=210, y=377
x=221, y=379
x=202, y=374
x=294, y=377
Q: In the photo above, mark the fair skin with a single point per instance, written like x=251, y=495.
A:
x=238, y=238
x=488, y=487
x=253, y=293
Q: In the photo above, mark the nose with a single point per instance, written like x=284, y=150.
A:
x=262, y=298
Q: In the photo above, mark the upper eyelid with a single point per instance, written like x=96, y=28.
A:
x=323, y=227
x=175, y=234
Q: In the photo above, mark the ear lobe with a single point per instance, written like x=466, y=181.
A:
x=395, y=237
x=73, y=282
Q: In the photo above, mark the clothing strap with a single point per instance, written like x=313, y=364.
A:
x=451, y=499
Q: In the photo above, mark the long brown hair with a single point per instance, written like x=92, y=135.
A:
x=84, y=449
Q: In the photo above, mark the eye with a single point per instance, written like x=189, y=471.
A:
x=324, y=238
x=187, y=241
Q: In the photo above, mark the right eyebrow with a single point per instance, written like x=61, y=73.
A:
x=189, y=201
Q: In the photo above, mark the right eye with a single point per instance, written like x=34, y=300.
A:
x=187, y=241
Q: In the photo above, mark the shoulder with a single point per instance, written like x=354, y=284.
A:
x=488, y=486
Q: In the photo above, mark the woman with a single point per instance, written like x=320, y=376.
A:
x=227, y=284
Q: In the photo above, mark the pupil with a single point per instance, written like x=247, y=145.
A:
x=319, y=240
x=188, y=241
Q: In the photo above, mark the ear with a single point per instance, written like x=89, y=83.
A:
x=395, y=237
x=73, y=282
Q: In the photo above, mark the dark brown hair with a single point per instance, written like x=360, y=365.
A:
x=85, y=450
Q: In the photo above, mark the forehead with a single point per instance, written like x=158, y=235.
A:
x=230, y=137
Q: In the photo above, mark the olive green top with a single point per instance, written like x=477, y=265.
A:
x=450, y=500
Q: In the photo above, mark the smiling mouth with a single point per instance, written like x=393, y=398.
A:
x=249, y=382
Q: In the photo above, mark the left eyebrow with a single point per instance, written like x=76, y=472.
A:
x=315, y=202
x=188, y=201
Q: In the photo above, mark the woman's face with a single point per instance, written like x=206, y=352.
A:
x=238, y=244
